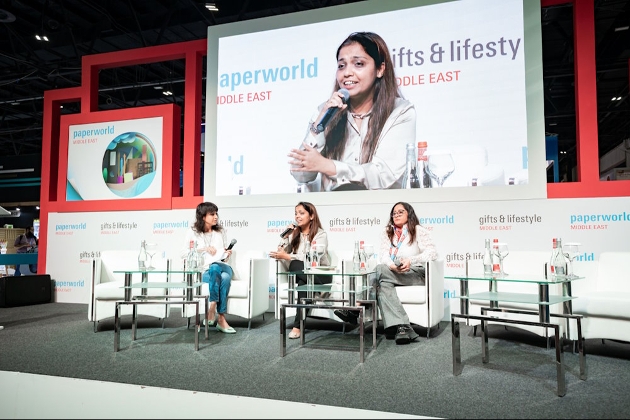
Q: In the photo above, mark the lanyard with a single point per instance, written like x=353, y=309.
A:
x=393, y=250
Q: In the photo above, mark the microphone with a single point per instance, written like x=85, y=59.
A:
x=330, y=112
x=287, y=230
x=224, y=256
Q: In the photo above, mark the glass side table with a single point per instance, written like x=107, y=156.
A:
x=543, y=299
x=191, y=287
x=353, y=285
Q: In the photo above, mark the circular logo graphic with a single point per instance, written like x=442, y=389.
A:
x=129, y=164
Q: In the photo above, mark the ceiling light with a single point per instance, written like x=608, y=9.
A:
x=37, y=37
x=167, y=93
x=15, y=103
x=45, y=38
x=614, y=98
x=553, y=123
x=622, y=28
x=212, y=7
x=157, y=87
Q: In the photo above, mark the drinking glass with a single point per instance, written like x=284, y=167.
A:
x=152, y=249
x=371, y=260
x=440, y=165
x=570, y=251
x=320, y=252
x=502, y=251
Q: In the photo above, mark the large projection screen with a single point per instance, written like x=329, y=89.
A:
x=472, y=69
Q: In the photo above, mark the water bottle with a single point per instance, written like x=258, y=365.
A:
x=307, y=256
x=487, y=259
x=496, y=262
x=362, y=258
x=314, y=255
x=410, y=178
x=142, y=256
x=421, y=168
x=356, y=258
x=554, y=251
x=192, y=259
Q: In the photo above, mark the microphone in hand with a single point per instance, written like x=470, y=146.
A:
x=288, y=230
x=225, y=254
x=330, y=112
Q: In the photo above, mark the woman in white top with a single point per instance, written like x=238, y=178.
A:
x=211, y=244
x=404, y=246
x=291, y=252
x=364, y=145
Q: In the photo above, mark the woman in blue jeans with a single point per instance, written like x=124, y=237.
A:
x=209, y=239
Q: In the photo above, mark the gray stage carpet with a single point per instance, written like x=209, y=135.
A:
x=519, y=382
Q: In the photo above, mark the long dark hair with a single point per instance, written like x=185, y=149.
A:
x=313, y=228
x=385, y=94
x=203, y=209
x=412, y=222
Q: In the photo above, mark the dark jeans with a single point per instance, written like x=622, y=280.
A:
x=300, y=279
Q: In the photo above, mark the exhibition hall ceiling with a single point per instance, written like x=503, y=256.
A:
x=74, y=28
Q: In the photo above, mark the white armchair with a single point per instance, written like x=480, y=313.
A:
x=425, y=304
x=106, y=286
x=603, y=296
x=249, y=291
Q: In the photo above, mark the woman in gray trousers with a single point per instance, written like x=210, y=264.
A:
x=405, y=246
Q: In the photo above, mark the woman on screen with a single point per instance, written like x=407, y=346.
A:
x=292, y=251
x=358, y=143
x=211, y=241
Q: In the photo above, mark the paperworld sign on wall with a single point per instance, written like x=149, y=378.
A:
x=115, y=160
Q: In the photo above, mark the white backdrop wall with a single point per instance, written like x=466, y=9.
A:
x=459, y=230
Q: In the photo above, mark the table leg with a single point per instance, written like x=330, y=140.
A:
x=361, y=336
x=145, y=280
x=128, y=287
x=493, y=289
x=310, y=283
x=189, y=289
x=463, y=291
x=283, y=335
x=562, y=389
x=351, y=295
x=291, y=295
x=134, y=321
x=457, y=354
x=485, y=353
x=197, y=325
x=543, y=307
x=300, y=312
x=205, y=316
x=567, y=306
x=580, y=344
x=374, y=322
x=117, y=326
